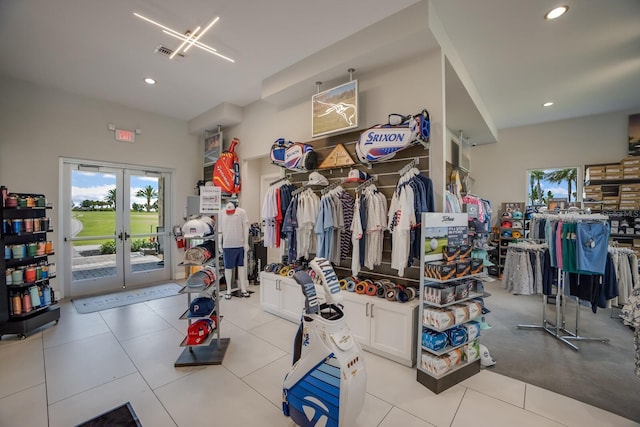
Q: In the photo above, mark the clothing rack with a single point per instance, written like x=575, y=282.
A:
x=577, y=214
x=365, y=184
x=299, y=190
x=558, y=329
x=529, y=245
x=415, y=162
x=332, y=186
x=284, y=178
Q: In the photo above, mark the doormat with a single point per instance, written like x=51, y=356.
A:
x=122, y=416
x=120, y=299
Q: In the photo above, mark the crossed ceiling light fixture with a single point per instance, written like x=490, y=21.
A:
x=190, y=38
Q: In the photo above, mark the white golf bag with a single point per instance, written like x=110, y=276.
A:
x=327, y=383
x=382, y=142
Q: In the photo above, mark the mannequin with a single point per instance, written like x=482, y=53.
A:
x=234, y=235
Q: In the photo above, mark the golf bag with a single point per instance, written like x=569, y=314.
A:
x=226, y=171
x=293, y=155
x=327, y=383
x=382, y=142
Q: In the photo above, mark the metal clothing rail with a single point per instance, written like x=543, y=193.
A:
x=365, y=184
x=284, y=178
x=331, y=186
x=558, y=329
x=299, y=190
x=407, y=168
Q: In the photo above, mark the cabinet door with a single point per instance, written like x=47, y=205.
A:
x=269, y=293
x=292, y=300
x=392, y=329
x=356, y=313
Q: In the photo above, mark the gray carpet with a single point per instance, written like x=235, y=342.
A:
x=119, y=299
x=599, y=374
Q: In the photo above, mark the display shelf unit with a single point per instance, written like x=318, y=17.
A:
x=504, y=241
x=382, y=327
x=463, y=368
x=613, y=189
x=212, y=350
x=32, y=209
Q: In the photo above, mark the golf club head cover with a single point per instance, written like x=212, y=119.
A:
x=311, y=302
x=329, y=279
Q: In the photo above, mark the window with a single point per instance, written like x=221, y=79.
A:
x=553, y=187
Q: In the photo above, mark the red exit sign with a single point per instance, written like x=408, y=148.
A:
x=125, y=135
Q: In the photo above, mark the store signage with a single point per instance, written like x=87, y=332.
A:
x=125, y=135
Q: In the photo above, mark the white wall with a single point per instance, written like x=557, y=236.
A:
x=39, y=125
x=500, y=169
x=405, y=88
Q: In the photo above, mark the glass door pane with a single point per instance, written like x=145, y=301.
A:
x=115, y=230
x=144, y=222
x=94, y=239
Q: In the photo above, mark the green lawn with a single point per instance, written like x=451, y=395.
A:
x=103, y=223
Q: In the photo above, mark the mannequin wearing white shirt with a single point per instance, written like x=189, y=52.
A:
x=234, y=240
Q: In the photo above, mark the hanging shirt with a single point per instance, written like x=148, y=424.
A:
x=356, y=235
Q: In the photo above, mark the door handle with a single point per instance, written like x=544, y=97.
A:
x=126, y=235
x=372, y=310
x=366, y=310
x=120, y=236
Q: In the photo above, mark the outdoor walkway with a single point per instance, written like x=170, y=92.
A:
x=85, y=266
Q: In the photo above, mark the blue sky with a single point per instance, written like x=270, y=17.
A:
x=95, y=185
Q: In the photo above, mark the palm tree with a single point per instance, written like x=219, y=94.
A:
x=148, y=193
x=569, y=175
x=536, y=176
x=110, y=198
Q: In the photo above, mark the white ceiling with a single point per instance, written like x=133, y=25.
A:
x=508, y=58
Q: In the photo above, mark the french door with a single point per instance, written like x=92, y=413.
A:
x=114, y=224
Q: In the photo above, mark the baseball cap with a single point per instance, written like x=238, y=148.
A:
x=201, y=306
x=356, y=175
x=506, y=215
x=485, y=357
x=199, y=331
x=483, y=324
x=197, y=227
x=316, y=179
x=202, y=278
x=517, y=224
x=516, y=234
x=516, y=215
x=506, y=224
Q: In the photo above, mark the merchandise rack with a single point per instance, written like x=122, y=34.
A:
x=438, y=383
x=22, y=324
x=212, y=350
x=558, y=329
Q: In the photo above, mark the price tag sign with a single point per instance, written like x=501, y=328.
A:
x=210, y=199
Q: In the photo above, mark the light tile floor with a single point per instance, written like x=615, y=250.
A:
x=89, y=363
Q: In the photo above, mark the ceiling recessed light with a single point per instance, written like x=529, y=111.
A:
x=149, y=81
x=547, y=104
x=556, y=12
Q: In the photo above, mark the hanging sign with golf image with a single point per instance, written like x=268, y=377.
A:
x=443, y=229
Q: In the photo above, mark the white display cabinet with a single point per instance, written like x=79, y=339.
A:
x=382, y=327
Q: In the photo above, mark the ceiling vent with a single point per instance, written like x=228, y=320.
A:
x=165, y=51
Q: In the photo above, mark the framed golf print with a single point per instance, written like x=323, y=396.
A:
x=212, y=148
x=335, y=110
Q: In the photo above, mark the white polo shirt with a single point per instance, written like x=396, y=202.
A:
x=232, y=227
